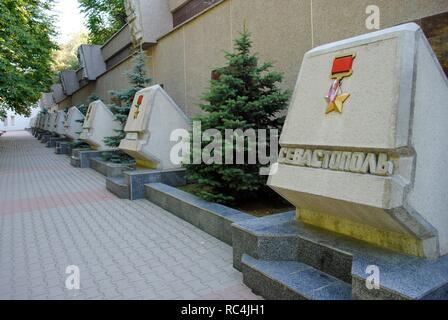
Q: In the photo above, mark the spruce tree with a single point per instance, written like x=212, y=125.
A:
x=123, y=99
x=245, y=96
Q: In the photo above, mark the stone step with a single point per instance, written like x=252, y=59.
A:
x=64, y=147
x=118, y=186
x=282, y=238
x=291, y=280
x=81, y=157
x=325, y=257
x=131, y=184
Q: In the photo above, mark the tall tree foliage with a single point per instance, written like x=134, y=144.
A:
x=246, y=96
x=66, y=58
x=26, y=49
x=3, y=112
x=104, y=18
x=123, y=99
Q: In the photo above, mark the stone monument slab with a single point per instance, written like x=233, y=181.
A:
x=99, y=123
x=73, y=124
x=366, y=157
x=152, y=119
x=60, y=121
x=45, y=121
x=51, y=127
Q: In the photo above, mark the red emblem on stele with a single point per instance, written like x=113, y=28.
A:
x=342, y=67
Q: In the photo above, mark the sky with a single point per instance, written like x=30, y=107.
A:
x=69, y=19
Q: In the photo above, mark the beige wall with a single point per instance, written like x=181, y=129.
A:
x=114, y=79
x=65, y=104
x=169, y=66
x=80, y=96
x=349, y=16
x=282, y=31
x=184, y=59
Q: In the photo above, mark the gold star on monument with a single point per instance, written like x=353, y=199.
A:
x=338, y=103
x=137, y=112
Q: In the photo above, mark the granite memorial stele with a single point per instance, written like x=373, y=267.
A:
x=152, y=119
x=43, y=121
x=364, y=146
x=60, y=121
x=99, y=123
x=52, y=122
x=46, y=122
x=40, y=121
x=32, y=123
x=73, y=123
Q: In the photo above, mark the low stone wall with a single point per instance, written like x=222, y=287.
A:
x=138, y=179
x=277, y=251
x=131, y=185
x=215, y=219
x=109, y=169
x=261, y=238
x=43, y=137
x=81, y=157
x=118, y=187
x=51, y=143
x=63, y=147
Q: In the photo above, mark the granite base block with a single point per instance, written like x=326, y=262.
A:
x=51, y=143
x=138, y=178
x=118, y=186
x=75, y=162
x=262, y=242
x=44, y=137
x=81, y=157
x=289, y=280
x=266, y=286
x=135, y=181
x=63, y=148
x=109, y=169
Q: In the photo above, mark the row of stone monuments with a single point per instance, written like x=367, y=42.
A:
x=363, y=157
x=152, y=119
x=62, y=123
x=153, y=116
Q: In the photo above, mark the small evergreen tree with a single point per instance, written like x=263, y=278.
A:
x=123, y=99
x=245, y=96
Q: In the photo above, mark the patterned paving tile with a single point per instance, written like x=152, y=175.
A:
x=53, y=215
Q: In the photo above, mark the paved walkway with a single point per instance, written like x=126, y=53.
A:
x=53, y=215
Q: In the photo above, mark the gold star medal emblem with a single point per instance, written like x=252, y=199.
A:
x=89, y=111
x=137, y=107
x=342, y=67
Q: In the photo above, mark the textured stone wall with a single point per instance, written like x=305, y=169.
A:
x=282, y=31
